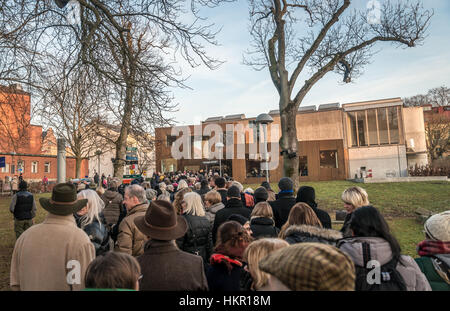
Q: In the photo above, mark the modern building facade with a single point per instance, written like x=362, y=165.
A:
x=379, y=138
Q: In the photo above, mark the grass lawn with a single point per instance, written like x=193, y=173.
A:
x=397, y=202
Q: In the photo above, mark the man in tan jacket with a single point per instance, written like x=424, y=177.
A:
x=130, y=240
x=53, y=255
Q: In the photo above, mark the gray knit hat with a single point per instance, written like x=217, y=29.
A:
x=438, y=226
x=286, y=184
x=261, y=194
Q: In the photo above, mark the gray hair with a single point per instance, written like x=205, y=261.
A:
x=150, y=194
x=239, y=185
x=164, y=197
x=136, y=191
x=95, y=206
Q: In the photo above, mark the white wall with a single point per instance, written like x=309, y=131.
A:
x=384, y=161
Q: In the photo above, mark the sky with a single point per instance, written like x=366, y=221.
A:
x=236, y=88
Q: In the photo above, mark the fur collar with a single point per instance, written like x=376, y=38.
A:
x=328, y=234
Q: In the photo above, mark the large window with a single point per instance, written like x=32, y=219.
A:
x=328, y=159
x=6, y=168
x=371, y=127
x=34, y=167
x=47, y=167
x=253, y=168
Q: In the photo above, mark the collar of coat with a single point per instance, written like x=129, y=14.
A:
x=62, y=220
x=327, y=234
x=220, y=258
x=138, y=208
x=158, y=247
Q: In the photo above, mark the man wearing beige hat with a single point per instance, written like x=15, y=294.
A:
x=53, y=255
x=435, y=252
x=164, y=266
x=308, y=267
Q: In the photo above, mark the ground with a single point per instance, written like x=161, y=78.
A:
x=397, y=202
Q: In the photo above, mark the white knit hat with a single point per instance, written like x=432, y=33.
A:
x=438, y=226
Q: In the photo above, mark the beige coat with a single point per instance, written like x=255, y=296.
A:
x=42, y=256
x=130, y=240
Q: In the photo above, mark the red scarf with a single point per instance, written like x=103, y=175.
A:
x=430, y=247
x=223, y=259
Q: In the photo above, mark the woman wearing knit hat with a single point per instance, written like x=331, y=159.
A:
x=434, y=251
x=226, y=266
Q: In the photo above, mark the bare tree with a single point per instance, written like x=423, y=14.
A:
x=438, y=96
x=323, y=36
x=437, y=131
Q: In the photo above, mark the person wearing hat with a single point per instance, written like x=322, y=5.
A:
x=260, y=195
x=23, y=207
x=53, y=255
x=233, y=206
x=434, y=251
x=271, y=194
x=130, y=239
x=282, y=206
x=308, y=267
x=307, y=195
x=164, y=267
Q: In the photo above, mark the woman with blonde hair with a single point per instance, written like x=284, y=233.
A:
x=262, y=222
x=213, y=203
x=254, y=253
x=300, y=214
x=178, y=199
x=90, y=218
x=198, y=237
x=353, y=198
x=182, y=184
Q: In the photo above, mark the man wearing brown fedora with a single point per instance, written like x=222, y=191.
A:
x=163, y=265
x=53, y=255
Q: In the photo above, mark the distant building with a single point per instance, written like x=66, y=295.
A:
x=381, y=138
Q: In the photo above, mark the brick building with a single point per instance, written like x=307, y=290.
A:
x=26, y=147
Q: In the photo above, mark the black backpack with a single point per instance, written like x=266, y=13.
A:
x=390, y=278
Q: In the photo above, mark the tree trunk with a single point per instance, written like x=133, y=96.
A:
x=78, y=160
x=288, y=140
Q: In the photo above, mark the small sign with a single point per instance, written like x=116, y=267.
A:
x=2, y=161
x=131, y=176
x=131, y=148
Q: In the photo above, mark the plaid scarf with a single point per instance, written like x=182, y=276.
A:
x=429, y=247
x=223, y=259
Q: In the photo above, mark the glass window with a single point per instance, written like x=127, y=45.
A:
x=382, y=126
x=6, y=168
x=362, y=128
x=34, y=167
x=303, y=166
x=393, y=125
x=170, y=140
x=13, y=169
x=253, y=168
x=47, y=167
x=21, y=166
x=352, y=121
x=372, y=126
x=328, y=159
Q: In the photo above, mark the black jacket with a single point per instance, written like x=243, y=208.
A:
x=223, y=194
x=219, y=279
x=346, y=231
x=98, y=234
x=305, y=233
x=281, y=208
x=263, y=228
x=113, y=206
x=233, y=206
x=198, y=238
x=24, y=205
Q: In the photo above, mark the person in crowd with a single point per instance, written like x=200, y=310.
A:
x=213, y=203
x=171, y=191
x=179, y=197
x=371, y=232
x=113, y=271
x=262, y=223
x=164, y=266
x=114, y=210
x=164, y=196
x=198, y=238
x=81, y=186
x=130, y=240
x=245, y=222
x=353, y=198
x=23, y=207
x=226, y=266
x=197, y=186
x=233, y=206
x=96, y=178
x=162, y=189
x=271, y=194
x=220, y=187
x=212, y=183
x=204, y=189
x=260, y=195
x=182, y=184
x=91, y=219
x=303, y=225
x=246, y=199
x=254, y=253
x=307, y=195
x=282, y=206
x=151, y=195
x=308, y=267
x=434, y=252
x=35, y=267
x=100, y=190
x=45, y=183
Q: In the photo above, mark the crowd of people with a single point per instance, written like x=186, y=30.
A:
x=197, y=231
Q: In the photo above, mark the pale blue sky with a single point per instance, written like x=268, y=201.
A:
x=236, y=88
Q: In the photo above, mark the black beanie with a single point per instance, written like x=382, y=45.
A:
x=239, y=218
x=233, y=192
x=286, y=184
x=261, y=194
x=307, y=195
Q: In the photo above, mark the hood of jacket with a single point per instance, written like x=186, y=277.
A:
x=313, y=232
x=262, y=221
x=215, y=208
x=380, y=249
x=110, y=195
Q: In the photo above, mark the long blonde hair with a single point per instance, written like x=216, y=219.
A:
x=300, y=214
x=194, y=204
x=95, y=206
x=255, y=252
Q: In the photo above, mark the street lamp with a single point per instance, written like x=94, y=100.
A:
x=98, y=153
x=220, y=146
x=265, y=119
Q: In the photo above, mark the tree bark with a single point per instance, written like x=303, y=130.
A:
x=289, y=144
x=78, y=160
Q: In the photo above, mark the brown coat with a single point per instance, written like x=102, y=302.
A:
x=165, y=267
x=130, y=240
x=41, y=256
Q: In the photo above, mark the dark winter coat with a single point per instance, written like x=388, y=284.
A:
x=164, y=267
x=346, y=231
x=281, y=208
x=307, y=195
x=223, y=194
x=427, y=267
x=263, y=227
x=113, y=206
x=198, y=238
x=97, y=233
x=233, y=206
x=220, y=279
x=304, y=233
